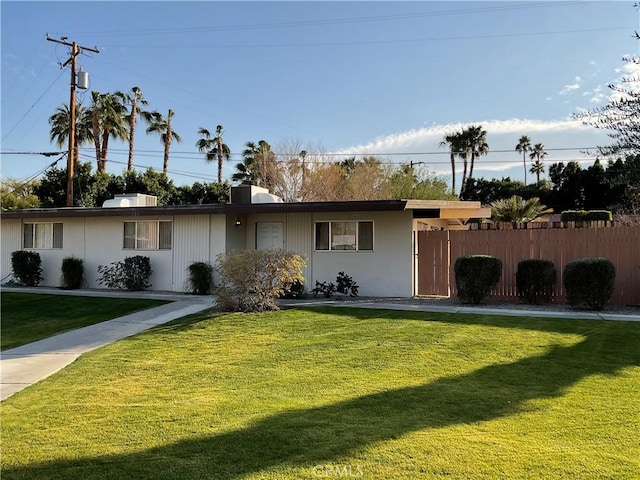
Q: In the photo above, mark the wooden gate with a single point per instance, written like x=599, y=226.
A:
x=433, y=263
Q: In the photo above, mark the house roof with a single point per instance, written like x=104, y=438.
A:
x=420, y=208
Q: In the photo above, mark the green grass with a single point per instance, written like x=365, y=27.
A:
x=27, y=317
x=346, y=393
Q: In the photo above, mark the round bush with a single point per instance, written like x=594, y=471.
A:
x=476, y=276
x=26, y=267
x=535, y=279
x=590, y=281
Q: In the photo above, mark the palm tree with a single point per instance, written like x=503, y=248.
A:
x=59, y=122
x=456, y=148
x=135, y=99
x=214, y=148
x=523, y=146
x=258, y=167
x=537, y=154
x=162, y=126
x=108, y=120
x=517, y=209
x=477, y=146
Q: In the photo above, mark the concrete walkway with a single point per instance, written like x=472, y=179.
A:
x=25, y=365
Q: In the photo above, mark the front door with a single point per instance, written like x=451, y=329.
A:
x=269, y=235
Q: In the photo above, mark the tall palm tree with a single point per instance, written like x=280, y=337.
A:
x=59, y=122
x=259, y=166
x=136, y=100
x=523, y=146
x=162, y=126
x=213, y=148
x=455, y=142
x=477, y=144
x=537, y=154
x=108, y=121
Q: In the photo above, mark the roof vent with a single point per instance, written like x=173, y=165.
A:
x=131, y=200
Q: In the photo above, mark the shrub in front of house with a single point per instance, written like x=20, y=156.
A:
x=535, y=279
x=590, y=281
x=346, y=285
x=26, y=267
x=200, y=278
x=294, y=289
x=252, y=280
x=476, y=276
x=72, y=273
x=132, y=274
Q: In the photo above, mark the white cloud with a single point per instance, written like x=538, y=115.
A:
x=564, y=140
x=577, y=83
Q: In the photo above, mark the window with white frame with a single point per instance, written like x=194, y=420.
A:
x=42, y=235
x=147, y=235
x=352, y=235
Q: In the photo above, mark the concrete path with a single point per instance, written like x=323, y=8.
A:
x=25, y=365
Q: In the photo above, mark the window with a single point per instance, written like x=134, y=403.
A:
x=44, y=236
x=344, y=235
x=147, y=235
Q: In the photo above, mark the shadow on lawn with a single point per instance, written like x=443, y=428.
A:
x=304, y=438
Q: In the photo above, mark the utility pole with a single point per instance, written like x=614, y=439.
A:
x=71, y=156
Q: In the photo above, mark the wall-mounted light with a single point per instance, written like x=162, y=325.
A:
x=238, y=222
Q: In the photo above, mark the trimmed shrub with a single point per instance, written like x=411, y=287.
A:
x=252, y=280
x=590, y=281
x=294, y=290
x=201, y=278
x=535, y=279
x=586, y=216
x=72, y=273
x=476, y=275
x=132, y=274
x=26, y=267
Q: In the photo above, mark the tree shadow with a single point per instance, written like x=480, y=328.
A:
x=308, y=437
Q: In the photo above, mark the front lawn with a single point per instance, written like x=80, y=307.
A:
x=27, y=317
x=339, y=393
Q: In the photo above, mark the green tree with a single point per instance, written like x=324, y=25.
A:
x=621, y=115
x=537, y=155
x=162, y=126
x=136, y=100
x=457, y=148
x=259, y=166
x=16, y=194
x=476, y=143
x=517, y=209
x=523, y=146
x=60, y=121
x=108, y=121
x=213, y=148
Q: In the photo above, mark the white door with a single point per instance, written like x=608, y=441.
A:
x=269, y=235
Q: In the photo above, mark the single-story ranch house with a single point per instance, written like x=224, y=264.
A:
x=372, y=241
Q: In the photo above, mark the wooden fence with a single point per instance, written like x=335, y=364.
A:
x=438, y=250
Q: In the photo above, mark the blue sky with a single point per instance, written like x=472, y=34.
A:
x=383, y=78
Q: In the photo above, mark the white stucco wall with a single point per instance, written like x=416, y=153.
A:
x=384, y=272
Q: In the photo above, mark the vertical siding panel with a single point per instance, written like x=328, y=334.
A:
x=190, y=244
x=299, y=239
x=11, y=241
